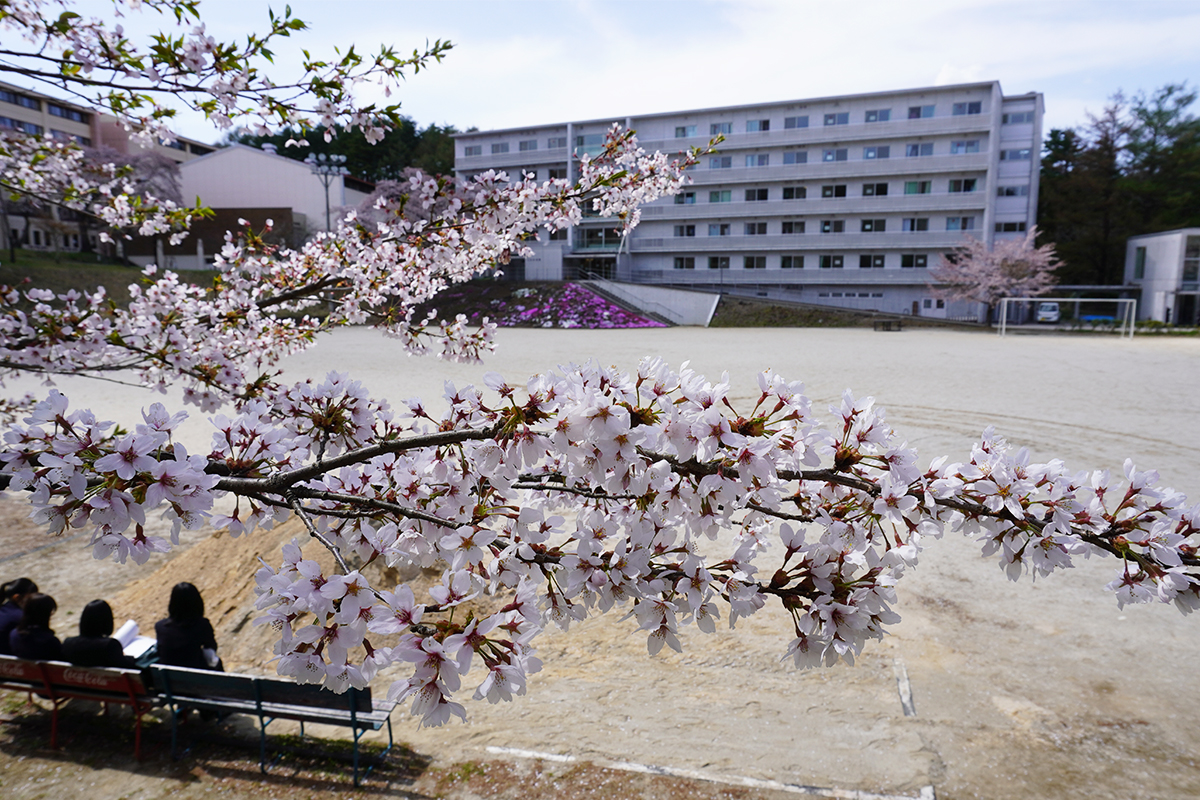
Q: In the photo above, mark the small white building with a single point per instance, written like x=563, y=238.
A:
x=240, y=176
x=1166, y=268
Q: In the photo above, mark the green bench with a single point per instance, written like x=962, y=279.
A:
x=270, y=699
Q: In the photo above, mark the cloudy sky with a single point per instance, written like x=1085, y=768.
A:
x=519, y=62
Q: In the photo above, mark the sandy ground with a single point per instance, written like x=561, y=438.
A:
x=1021, y=690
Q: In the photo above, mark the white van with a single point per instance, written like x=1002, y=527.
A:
x=1048, y=312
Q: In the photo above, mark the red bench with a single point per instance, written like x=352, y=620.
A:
x=58, y=682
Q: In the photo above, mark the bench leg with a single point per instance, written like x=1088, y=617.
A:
x=54, y=725
x=262, y=746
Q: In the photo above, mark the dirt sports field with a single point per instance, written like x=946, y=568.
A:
x=1022, y=690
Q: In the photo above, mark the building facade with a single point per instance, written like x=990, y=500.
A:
x=844, y=201
x=1165, y=268
x=43, y=227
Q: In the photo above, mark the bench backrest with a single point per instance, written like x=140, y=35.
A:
x=62, y=678
x=96, y=679
x=187, y=682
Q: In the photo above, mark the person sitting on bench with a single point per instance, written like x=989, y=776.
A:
x=33, y=639
x=185, y=635
x=94, y=646
x=15, y=594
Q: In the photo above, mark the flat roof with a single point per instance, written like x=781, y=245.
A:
x=719, y=109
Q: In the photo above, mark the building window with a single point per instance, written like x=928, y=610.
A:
x=559, y=235
x=914, y=224
x=527, y=145
x=756, y=195
x=501, y=147
x=1010, y=227
x=758, y=125
x=874, y=225
x=884, y=151
x=685, y=199
x=67, y=113
x=792, y=226
x=556, y=143
x=791, y=262
x=18, y=125
x=754, y=262
x=918, y=187
x=473, y=150
x=920, y=112
x=685, y=262
x=838, y=119
x=558, y=173
x=960, y=223
x=833, y=226
x=837, y=190
x=910, y=260
x=880, y=115
x=685, y=230
x=794, y=193
x=874, y=189
x=1191, y=260
x=718, y=229
x=21, y=100
x=795, y=157
x=958, y=109
x=718, y=262
x=962, y=185
x=720, y=196
x=720, y=162
x=831, y=262
x=835, y=154
x=1017, y=118
x=1139, y=263
x=870, y=262
x=685, y=131
x=756, y=229
x=795, y=122
x=918, y=150
x=964, y=146
x=758, y=160
x=1012, y=191
x=1023, y=154
x=720, y=128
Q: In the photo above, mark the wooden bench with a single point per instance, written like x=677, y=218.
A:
x=59, y=682
x=888, y=325
x=270, y=699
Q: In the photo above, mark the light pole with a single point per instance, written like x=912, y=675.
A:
x=326, y=168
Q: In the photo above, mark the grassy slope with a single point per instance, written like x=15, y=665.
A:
x=61, y=272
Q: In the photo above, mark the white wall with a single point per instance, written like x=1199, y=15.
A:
x=1164, y=269
x=246, y=177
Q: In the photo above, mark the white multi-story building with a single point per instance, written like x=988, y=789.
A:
x=838, y=200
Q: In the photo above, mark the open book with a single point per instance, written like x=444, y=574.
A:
x=135, y=646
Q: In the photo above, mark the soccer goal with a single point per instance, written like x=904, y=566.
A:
x=1101, y=314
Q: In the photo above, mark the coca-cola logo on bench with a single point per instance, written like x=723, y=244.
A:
x=11, y=669
x=84, y=677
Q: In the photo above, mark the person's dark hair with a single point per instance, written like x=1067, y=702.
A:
x=37, y=612
x=96, y=619
x=18, y=587
x=186, y=603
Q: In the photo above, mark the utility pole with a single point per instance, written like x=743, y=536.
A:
x=326, y=168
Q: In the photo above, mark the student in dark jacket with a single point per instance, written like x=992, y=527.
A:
x=32, y=638
x=94, y=646
x=15, y=593
x=185, y=634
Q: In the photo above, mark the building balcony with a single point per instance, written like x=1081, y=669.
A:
x=800, y=243
x=835, y=171
x=883, y=132
x=815, y=207
x=809, y=276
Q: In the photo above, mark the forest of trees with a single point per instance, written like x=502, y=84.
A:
x=1133, y=168
x=430, y=149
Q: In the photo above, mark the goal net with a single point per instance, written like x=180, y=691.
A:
x=1099, y=314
